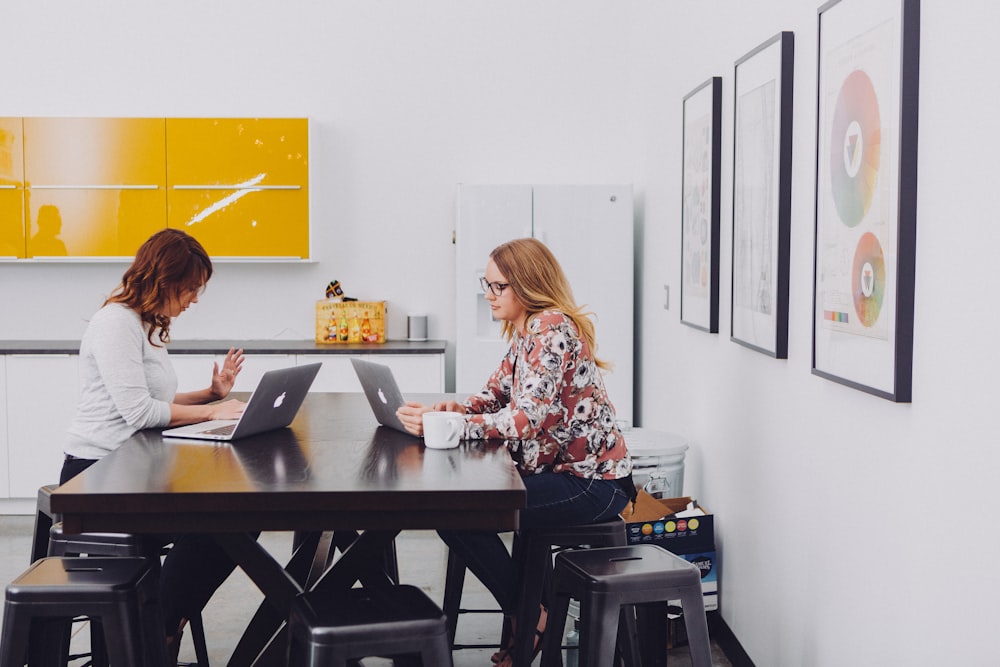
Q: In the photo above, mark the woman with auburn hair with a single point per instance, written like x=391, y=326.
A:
x=547, y=399
x=128, y=384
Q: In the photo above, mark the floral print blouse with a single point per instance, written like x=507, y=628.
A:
x=548, y=397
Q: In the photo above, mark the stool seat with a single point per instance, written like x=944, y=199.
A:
x=632, y=570
x=119, y=591
x=605, y=579
x=97, y=544
x=329, y=629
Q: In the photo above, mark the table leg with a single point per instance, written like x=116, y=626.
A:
x=279, y=585
x=264, y=642
x=360, y=560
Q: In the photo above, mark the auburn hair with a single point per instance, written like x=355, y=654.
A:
x=168, y=264
x=539, y=283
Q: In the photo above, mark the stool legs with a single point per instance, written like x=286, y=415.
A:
x=696, y=625
x=534, y=561
x=454, y=584
x=598, y=629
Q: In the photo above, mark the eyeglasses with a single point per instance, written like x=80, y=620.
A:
x=496, y=287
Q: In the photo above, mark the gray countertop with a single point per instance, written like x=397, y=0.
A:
x=249, y=346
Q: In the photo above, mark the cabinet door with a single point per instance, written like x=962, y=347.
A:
x=336, y=374
x=240, y=185
x=488, y=215
x=194, y=371
x=4, y=451
x=42, y=393
x=95, y=186
x=589, y=228
x=11, y=188
x=414, y=373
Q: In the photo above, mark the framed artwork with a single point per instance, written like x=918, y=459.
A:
x=762, y=195
x=866, y=195
x=700, y=177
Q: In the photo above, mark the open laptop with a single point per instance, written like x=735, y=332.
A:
x=273, y=404
x=382, y=391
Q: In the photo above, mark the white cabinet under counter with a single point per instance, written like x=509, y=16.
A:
x=5, y=476
x=42, y=393
x=194, y=371
x=39, y=390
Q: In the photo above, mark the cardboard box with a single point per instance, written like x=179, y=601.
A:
x=652, y=521
x=708, y=563
x=350, y=321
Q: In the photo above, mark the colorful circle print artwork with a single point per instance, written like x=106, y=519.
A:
x=855, y=148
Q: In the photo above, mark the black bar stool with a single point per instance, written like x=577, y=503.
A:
x=122, y=592
x=329, y=630
x=58, y=543
x=532, y=555
x=604, y=580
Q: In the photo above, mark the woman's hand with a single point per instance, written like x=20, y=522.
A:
x=224, y=379
x=231, y=409
x=449, y=406
x=412, y=416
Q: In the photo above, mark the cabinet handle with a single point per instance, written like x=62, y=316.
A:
x=236, y=187
x=4, y=186
x=41, y=355
x=93, y=187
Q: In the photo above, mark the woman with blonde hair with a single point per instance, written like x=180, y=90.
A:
x=547, y=399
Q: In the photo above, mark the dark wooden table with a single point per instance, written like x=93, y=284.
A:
x=334, y=476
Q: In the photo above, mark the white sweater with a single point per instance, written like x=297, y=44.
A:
x=126, y=383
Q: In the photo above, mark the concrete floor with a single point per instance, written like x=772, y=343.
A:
x=422, y=558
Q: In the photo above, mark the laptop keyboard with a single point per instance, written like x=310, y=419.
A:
x=222, y=430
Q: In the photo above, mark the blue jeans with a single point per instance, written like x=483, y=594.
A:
x=553, y=499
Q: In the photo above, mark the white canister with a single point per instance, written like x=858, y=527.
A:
x=416, y=327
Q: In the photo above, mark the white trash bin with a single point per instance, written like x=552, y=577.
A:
x=657, y=461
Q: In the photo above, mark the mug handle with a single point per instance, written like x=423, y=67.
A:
x=454, y=428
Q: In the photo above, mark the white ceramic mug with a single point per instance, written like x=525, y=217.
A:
x=443, y=430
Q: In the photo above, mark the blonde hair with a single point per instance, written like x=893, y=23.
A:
x=539, y=284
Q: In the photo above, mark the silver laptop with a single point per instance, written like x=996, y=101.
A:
x=382, y=391
x=273, y=404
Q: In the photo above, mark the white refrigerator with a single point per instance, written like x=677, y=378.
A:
x=590, y=229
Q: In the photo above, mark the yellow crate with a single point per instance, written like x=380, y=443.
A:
x=350, y=321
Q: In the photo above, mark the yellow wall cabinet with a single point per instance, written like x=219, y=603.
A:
x=11, y=188
x=96, y=187
x=240, y=185
x=99, y=187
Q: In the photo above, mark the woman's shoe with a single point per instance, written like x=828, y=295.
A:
x=502, y=658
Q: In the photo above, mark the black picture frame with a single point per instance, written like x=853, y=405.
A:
x=866, y=195
x=762, y=195
x=701, y=175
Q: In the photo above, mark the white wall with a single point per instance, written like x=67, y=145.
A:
x=407, y=99
x=853, y=531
